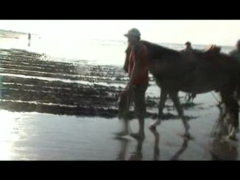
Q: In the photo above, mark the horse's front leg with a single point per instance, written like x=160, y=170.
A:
x=163, y=99
x=234, y=110
x=220, y=128
x=174, y=96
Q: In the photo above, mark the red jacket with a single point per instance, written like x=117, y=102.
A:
x=142, y=56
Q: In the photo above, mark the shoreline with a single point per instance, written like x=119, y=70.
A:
x=58, y=97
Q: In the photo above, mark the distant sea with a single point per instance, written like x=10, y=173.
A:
x=99, y=52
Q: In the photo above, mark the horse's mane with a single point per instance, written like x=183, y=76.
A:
x=157, y=52
x=160, y=52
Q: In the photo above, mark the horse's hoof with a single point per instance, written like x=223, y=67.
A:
x=232, y=137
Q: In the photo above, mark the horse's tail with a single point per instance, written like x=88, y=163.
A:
x=237, y=89
x=234, y=70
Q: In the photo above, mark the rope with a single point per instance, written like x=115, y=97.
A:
x=215, y=97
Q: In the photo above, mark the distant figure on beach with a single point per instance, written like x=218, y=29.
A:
x=29, y=39
x=236, y=52
x=137, y=69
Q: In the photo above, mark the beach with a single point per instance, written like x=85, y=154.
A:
x=65, y=109
x=40, y=136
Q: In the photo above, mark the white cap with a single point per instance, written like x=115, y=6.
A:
x=133, y=32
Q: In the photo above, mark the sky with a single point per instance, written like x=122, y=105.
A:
x=220, y=32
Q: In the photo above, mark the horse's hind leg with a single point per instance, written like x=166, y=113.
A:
x=233, y=108
x=234, y=113
x=163, y=99
x=236, y=116
x=219, y=128
x=177, y=104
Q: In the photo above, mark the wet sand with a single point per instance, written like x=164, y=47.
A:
x=35, y=136
x=39, y=95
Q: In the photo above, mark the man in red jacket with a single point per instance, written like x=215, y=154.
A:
x=137, y=67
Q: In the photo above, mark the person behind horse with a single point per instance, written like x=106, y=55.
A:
x=137, y=69
x=236, y=52
x=188, y=52
x=189, y=48
x=236, y=55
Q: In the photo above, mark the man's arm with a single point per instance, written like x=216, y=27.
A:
x=136, y=71
x=141, y=57
x=125, y=66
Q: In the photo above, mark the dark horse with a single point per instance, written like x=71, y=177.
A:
x=204, y=72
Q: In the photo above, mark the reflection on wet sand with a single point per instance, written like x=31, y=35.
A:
x=123, y=150
x=156, y=150
x=181, y=150
x=137, y=154
x=221, y=149
x=134, y=156
x=35, y=136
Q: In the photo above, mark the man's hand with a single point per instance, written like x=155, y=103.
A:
x=129, y=87
x=125, y=66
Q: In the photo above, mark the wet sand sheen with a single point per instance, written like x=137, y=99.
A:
x=34, y=136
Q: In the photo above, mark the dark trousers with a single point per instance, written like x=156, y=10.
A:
x=136, y=96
